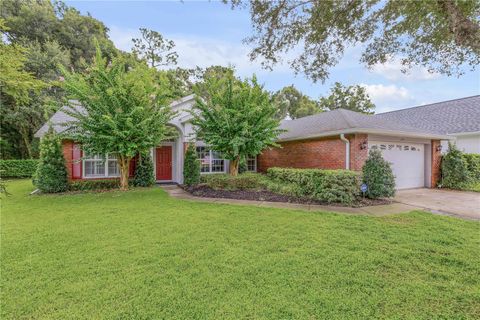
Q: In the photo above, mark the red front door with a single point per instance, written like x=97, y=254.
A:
x=164, y=163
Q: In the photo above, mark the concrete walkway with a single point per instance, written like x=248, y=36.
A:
x=381, y=210
x=449, y=202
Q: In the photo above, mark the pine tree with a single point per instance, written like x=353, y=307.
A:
x=191, y=167
x=378, y=176
x=51, y=175
x=144, y=176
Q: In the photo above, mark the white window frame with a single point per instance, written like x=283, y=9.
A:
x=254, y=158
x=210, y=161
x=105, y=159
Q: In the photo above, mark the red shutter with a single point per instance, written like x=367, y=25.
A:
x=131, y=168
x=76, y=161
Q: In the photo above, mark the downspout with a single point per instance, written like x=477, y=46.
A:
x=347, y=151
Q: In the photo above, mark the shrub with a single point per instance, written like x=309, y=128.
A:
x=242, y=165
x=101, y=184
x=473, y=165
x=144, y=175
x=378, y=176
x=191, y=167
x=227, y=182
x=51, y=175
x=330, y=186
x=18, y=168
x=454, y=168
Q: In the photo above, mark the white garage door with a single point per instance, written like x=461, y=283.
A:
x=407, y=162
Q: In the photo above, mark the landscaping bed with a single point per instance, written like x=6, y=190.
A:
x=264, y=195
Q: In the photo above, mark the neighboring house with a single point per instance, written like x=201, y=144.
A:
x=459, y=118
x=338, y=139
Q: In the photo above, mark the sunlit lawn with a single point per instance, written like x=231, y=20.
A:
x=143, y=255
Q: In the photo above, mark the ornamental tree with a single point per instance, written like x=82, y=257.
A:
x=123, y=110
x=235, y=117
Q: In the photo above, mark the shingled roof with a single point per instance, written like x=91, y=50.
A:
x=447, y=117
x=345, y=121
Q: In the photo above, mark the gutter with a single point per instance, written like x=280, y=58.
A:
x=347, y=151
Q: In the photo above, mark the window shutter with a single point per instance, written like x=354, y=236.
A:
x=76, y=161
x=131, y=168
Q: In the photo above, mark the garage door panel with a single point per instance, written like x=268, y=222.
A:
x=407, y=161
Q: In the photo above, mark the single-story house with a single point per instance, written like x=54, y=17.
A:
x=338, y=139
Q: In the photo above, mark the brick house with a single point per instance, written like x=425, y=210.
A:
x=338, y=139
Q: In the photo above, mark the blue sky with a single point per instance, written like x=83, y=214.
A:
x=210, y=33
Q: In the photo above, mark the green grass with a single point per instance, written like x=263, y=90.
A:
x=143, y=255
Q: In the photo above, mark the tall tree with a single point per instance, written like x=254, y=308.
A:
x=291, y=103
x=154, y=48
x=353, y=98
x=235, y=118
x=442, y=35
x=125, y=110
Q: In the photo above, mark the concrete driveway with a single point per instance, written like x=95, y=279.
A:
x=458, y=203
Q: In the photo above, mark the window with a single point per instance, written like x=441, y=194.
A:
x=210, y=161
x=252, y=163
x=96, y=166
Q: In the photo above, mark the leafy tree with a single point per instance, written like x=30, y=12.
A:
x=440, y=35
x=454, y=168
x=124, y=112
x=378, y=176
x=144, y=176
x=292, y=103
x=191, y=167
x=353, y=98
x=154, y=48
x=235, y=118
x=51, y=175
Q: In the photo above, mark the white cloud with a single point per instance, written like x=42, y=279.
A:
x=392, y=70
x=388, y=97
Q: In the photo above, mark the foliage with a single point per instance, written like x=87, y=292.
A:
x=473, y=165
x=124, y=110
x=191, y=167
x=227, y=182
x=144, y=173
x=242, y=165
x=293, y=104
x=235, y=118
x=18, y=168
x=352, y=263
x=94, y=185
x=454, y=168
x=51, y=175
x=353, y=98
x=154, y=48
x=340, y=186
x=442, y=36
x=378, y=176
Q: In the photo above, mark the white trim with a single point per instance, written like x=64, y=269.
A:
x=105, y=164
x=464, y=133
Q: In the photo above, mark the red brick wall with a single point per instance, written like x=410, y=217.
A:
x=436, y=162
x=325, y=153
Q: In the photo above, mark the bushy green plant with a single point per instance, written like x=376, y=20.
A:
x=144, y=175
x=378, y=176
x=18, y=168
x=242, y=165
x=88, y=185
x=454, y=168
x=341, y=186
x=228, y=182
x=51, y=175
x=191, y=167
x=473, y=165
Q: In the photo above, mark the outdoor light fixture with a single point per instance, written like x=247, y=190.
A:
x=439, y=148
x=363, y=145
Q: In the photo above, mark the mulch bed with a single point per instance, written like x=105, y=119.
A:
x=264, y=195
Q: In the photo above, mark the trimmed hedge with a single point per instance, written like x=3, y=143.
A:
x=90, y=185
x=473, y=165
x=341, y=186
x=18, y=168
x=227, y=182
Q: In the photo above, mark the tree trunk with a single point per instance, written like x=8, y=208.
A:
x=26, y=142
x=234, y=166
x=124, y=163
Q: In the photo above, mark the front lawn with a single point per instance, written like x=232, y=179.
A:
x=143, y=255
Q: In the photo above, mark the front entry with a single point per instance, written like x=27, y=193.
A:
x=163, y=163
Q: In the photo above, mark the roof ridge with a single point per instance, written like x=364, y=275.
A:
x=430, y=104
x=350, y=122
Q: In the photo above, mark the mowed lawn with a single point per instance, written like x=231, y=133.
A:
x=143, y=255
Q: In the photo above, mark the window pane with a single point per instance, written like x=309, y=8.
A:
x=203, y=154
x=113, y=169
x=218, y=165
x=251, y=164
x=94, y=168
